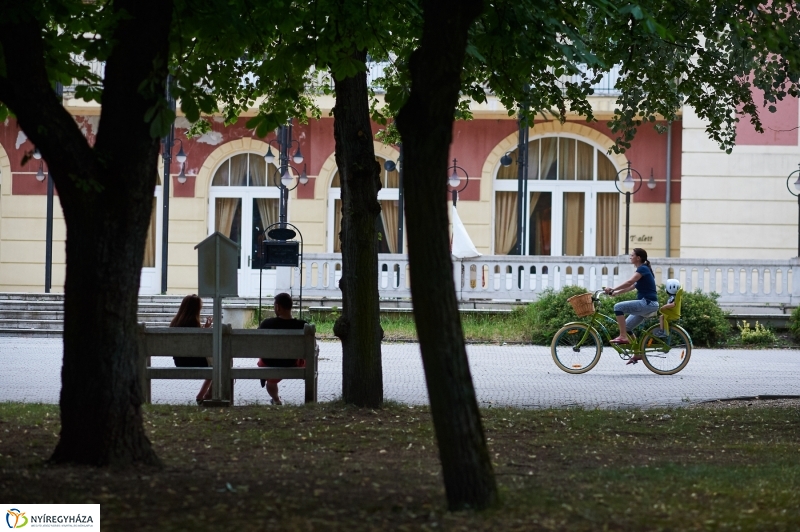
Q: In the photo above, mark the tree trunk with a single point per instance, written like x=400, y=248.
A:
x=425, y=123
x=106, y=193
x=359, y=326
x=100, y=396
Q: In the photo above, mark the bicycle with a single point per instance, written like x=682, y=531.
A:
x=577, y=346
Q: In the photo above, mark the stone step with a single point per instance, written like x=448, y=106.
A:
x=32, y=333
x=39, y=306
x=23, y=324
x=33, y=315
x=30, y=296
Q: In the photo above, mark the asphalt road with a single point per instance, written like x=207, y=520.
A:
x=520, y=376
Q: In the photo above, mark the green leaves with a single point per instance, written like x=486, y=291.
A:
x=346, y=66
x=89, y=93
x=160, y=117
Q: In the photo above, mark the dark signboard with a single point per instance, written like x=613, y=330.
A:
x=281, y=253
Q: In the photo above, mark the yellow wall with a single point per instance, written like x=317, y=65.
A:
x=22, y=238
x=648, y=228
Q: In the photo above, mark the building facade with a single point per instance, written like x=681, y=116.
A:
x=720, y=205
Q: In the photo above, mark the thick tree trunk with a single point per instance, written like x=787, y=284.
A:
x=100, y=395
x=106, y=192
x=359, y=326
x=425, y=123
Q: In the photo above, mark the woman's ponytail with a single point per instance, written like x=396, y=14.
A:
x=642, y=254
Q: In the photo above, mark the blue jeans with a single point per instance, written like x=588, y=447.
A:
x=636, y=311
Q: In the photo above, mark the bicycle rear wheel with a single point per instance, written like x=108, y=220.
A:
x=669, y=354
x=576, y=348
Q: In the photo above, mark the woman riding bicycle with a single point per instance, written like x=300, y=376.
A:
x=646, y=302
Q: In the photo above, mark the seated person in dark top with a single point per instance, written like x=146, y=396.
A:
x=189, y=316
x=283, y=320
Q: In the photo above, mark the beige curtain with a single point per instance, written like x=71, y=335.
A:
x=505, y=222
x=390, y=179
x=225, y=210
x=533, y=159
x=549, y=158
x=221, y=175
x=566, y=159
x=239, y=170
x=605, y=169
x=268, y=211
x=607, y=227
x=572, y=244
x=540, y=223
x=258, y=171
x=389, y=219
x=585, y=161
x=337, y=225
x=534, y=200
x=150, y=243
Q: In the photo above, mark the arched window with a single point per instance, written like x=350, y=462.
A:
x=386, y=224
x=571, y=204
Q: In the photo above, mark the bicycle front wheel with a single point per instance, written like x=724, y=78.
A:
x=576, y=348
x=669, y=354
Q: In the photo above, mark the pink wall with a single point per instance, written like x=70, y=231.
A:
x=649, y=151
x=472, y=142
x=780, y=127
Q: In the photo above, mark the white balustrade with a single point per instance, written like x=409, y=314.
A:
x=514, y=278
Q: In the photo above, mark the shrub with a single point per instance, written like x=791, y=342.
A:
x=794, y=323
x=759, y=335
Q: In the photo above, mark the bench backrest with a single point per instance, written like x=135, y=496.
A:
x=236, y=343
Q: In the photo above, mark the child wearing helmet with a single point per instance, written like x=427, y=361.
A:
x=672, y=308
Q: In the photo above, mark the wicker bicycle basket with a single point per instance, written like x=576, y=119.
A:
x=582, y=304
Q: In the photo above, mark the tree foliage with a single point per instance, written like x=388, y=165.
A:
x=544, y=57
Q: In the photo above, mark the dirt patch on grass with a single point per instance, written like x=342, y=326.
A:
x=331, y=466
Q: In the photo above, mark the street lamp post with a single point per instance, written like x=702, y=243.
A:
x=40, y=176
x=169, y=144
x=284, y=142
x=48, y=247
x=796, y=192
x=522, y=180
x=628, y=186
x=455, y=180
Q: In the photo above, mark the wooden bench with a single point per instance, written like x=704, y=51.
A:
x=236, y=343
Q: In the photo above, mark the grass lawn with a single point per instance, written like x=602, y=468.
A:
x=511, y=327
x=330, y=466
x=478, y=328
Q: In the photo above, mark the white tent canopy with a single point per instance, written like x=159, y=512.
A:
x=461, y=245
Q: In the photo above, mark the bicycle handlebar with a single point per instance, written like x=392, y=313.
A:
x=596, y=292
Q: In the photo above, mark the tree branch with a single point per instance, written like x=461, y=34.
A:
x=28, y=94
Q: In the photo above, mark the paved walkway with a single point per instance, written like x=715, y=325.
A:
x=521, y=376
